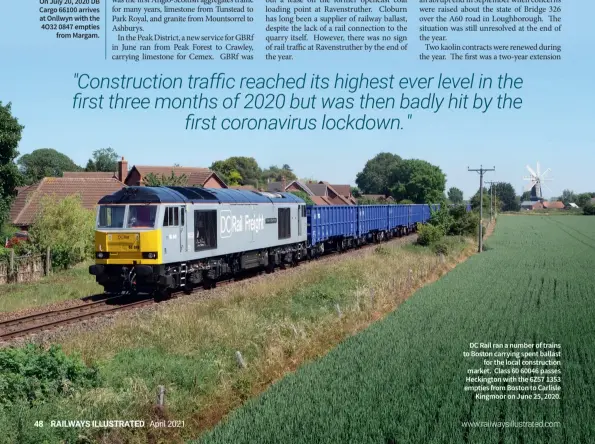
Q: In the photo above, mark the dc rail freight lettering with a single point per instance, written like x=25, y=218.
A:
x=160, y=239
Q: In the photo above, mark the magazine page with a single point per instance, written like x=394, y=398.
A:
x=296, y=221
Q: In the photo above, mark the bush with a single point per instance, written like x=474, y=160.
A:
x=33, y=375
x=589, y=210
x=440, y=247
x=463, y=223
x=67, y=228
x=7, y=231
x=428, y=234
x=442, y=219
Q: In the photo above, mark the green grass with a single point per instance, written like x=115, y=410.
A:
x=277, y=323
x=402, y=378
x=59, y=286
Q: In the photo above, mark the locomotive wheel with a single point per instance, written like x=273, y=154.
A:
x=209, y=284
x=162, y=294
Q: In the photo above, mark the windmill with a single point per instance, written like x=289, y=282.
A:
x=536, y=180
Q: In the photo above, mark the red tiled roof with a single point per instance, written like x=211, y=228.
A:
x=320, y=200
x=343, y=190
x=557, y=204
x=194, y=175
x=243, y=187
x=91, y=190
x=90, y=174
x=20, y=201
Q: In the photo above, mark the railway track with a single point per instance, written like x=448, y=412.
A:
x=35, y=323
x=14, y=328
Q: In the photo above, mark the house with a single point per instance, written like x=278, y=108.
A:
x=558, y=205
x=202, y=177
x=529, y=205
x=27, y=204
x=321, y=193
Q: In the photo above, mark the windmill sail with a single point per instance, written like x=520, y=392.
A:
x=535, y=181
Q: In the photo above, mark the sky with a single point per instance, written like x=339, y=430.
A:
x=552, y=127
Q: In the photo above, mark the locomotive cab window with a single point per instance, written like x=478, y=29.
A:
x=284, y=217
x=171, y=217
x=111, y=216
x=142, y=216
x=205, y=230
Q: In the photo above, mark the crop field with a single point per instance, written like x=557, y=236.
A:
x=402, y=380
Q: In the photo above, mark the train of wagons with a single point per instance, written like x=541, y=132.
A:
x=161, y=239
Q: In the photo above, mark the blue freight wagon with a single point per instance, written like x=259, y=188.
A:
x=417, y=214
x=398, y=216
x=372, y=218
x=329, y=222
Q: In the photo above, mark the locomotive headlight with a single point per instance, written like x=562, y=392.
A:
x=101, y=255
x=149, y=255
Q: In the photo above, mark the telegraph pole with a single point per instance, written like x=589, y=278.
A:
x=495, y=190
x=481, y=171
x=492, y=199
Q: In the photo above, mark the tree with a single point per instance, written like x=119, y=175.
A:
x=304, y=196
x=152, y=180
x=235, y=178
x=246, y=166
x=45, y=162
x=368, y=201
x=355, y=192
x=10, y=178
x=506, y=197
x=568, y=196
x=103, y=159
x=276, y=174
x=455, y=195
x=417, y=180
x=486, y=200
x=525, y=196
x=375, y=177
x=583, y=199
x=66, y=227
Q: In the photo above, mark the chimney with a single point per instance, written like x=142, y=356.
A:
x=122, y=169
x=283, y=183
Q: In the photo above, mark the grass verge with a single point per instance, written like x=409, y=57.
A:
x=277, y=324
x=59, y=286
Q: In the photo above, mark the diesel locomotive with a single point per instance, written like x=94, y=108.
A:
x=160, y=239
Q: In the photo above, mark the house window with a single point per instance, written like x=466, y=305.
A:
x=205, y=230
x=284, y=226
